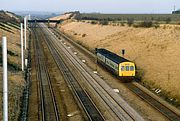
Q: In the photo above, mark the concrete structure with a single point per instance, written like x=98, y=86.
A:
x=25, y=22
x=5, y=81
x=45, y=21
x=22, y=50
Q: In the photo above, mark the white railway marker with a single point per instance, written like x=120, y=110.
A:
x=22, y=53
x=116, y=90
x=25, y=32
x=83, y=61
x=75, y=53
x=5, y=81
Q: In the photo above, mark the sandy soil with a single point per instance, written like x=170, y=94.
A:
x=155, y=51
x=15, y=79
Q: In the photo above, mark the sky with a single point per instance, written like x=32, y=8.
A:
x=89, y=6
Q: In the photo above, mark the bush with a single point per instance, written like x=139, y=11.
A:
x=156, y=26
x=11, y=53
x=122, y=23
x=93, y=22
x=168, y=20
x=104, y=22
x=13, y=66
x=83, y=35
x=146, y=24
x=136, y=25
x=130, y=21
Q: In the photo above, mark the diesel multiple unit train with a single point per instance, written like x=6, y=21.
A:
x=120, y=66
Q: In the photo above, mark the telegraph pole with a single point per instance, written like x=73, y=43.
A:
x=25, y=32
x=22, y=53
x=5, y=82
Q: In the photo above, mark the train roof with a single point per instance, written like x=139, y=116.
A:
x=112, y=56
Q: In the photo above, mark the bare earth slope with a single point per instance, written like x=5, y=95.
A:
x=155, y=51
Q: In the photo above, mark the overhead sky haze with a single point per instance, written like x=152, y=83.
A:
x=102, y=6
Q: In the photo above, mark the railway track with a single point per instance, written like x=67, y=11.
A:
x=114, y=102
x=88, y=106
x=48, y=107
x=157, y=105
x=166, y=111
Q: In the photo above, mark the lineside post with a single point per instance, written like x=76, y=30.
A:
x=48, y=23
x=5, y=81
x=22, y=53
x=25, y=32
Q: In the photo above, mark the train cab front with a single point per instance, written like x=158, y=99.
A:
x=127, y=71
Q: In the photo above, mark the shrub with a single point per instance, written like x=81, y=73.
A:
x=164, y=27
x=83, y=35
x=13, y=66
x=11, y=53
x=104, y=22
x=168, y=20
x=136, y=25
x=156, y=26
x=146, y=24
x=93, y=22
x=122, y=23
x=130, y=21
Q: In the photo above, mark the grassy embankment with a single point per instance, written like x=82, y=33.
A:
x=15, y=78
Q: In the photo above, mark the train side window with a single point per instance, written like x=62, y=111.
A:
x=131, y=68
x=127, y=68
x=122, y=68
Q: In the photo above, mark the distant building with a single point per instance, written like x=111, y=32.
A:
x=176, y=12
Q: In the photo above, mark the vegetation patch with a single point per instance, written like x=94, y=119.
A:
x=137, y=17
x=11, y=53
x=5, y=28
x=13, y=66
x=14, y=25
x=94, y=22
x=4, y=25
x=11, y=25
x=146, y=24
x=104, y=22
